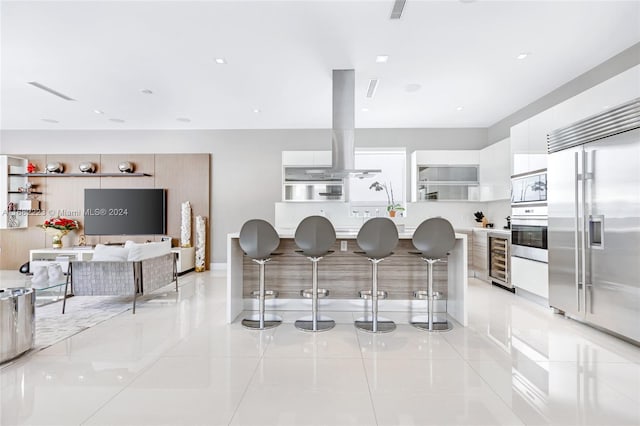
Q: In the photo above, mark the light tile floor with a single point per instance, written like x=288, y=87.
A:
x=177, y=362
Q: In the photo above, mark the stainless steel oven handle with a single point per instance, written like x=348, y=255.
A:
x=575, y=233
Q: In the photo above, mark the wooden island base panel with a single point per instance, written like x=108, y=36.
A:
x=344, y=274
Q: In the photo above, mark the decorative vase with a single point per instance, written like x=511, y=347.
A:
x=57, y=238
x=201, y=238
x=392, y=213
x=185, y=226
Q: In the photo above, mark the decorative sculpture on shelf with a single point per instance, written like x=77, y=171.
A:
x=55, y=167
x=87, y=167
x=185, y=227
x=201, y=242
x=125, y=167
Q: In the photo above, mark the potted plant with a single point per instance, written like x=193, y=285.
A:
x=392, y=206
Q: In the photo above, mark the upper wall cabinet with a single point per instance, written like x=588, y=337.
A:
x=615, y=91
x=495, y=183
x=529, y=143
x=529, y=138
x=462, y=175
x=444, y=175
x=306, y=158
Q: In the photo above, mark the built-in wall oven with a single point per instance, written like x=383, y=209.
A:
x=529, y=216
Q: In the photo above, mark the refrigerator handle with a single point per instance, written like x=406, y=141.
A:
x=576, y=234
x=585, y=177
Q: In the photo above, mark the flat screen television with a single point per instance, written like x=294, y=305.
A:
x=125, y=211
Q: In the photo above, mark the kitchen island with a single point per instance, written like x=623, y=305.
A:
x=345, y=273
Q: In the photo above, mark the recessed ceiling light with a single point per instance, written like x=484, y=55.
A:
x=117, y=120
x=413, y=87
x=382, y=59
x=365, y=109
x=50, y=120
x=184, y=119
x=256, y=110
x=523, y=55
x=146, y=91
x=221, y=61
x=97, y=111
x=460, y=108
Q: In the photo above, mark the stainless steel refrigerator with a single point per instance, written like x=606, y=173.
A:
x=594, y=220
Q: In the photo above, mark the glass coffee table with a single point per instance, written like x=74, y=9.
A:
x=50, y=294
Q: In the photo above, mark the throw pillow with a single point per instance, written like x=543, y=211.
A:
x=147, y=250
x=103, y=253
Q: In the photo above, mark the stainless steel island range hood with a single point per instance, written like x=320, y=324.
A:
x=342, y=135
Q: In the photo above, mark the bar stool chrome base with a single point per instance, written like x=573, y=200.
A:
x=253, y=322
x=421, y=322
x=323, y=323
x=366, y=324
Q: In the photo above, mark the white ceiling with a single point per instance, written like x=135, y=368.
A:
x=280, y=56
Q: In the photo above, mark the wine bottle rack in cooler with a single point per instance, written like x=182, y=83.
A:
x=498, y=259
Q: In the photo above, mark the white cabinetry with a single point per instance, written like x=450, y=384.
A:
x=306, y=158
x=531, y=276
x=495, y=171
x=491, y=182
x=445, y=175
x=299, y=185
x=529, y=142
x=615, y=91
x=186, y=259
x=45, y=257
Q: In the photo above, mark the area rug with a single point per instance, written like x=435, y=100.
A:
x=81, y=313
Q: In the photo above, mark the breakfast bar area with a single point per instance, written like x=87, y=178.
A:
x=345, y=273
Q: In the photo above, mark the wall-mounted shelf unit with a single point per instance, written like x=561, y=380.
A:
x=11, y=179
x=79, y=174
x=24, y=193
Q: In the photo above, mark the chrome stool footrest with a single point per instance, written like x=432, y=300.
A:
x=384, y=325
x=367, y=294
x=323, y=323
x=424, y=295
x=308, y=293
x=253, y=322
x=268, y=294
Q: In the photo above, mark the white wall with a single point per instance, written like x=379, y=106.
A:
x=246, y=164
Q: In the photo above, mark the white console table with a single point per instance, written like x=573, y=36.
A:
x=186, y=259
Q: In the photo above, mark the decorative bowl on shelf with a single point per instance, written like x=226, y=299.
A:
x=125, y=167
x=87, y=167
x=55, y=167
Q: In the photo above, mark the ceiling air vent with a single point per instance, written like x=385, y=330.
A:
x=371, y=90
x=398, y=7
x=50, y=90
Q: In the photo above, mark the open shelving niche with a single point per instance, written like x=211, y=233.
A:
x=14, y=176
